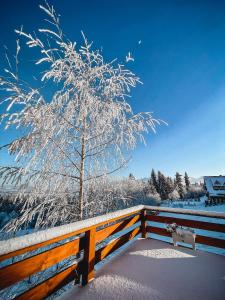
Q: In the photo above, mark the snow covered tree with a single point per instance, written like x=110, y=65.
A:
x=151, y=192
x=187, y=181
x=174, y=195
x=169, y=187
x=78, y=135
x=154, y=180
x=162, y=184
x=151, y=188
x=179, y=184
x=131, y=176
x=166, y=185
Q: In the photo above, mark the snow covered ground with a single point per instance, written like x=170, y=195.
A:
x=151, y=269
x=192, y=204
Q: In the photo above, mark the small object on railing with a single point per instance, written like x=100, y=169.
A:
x=181, y=234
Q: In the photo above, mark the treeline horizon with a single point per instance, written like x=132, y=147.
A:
x=167, y=187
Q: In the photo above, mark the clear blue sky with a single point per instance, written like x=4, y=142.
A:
x=181, y=60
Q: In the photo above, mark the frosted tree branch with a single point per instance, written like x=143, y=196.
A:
x=79, y=135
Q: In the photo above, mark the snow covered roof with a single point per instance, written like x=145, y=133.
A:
x=215, y=185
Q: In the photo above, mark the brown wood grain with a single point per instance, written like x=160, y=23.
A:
x=112, y=229
x=157, y=230
x=62, y=237
x=37, y=246
x=143, y=224
x=115, y=244
x=89, y=256
x=24, y=268
x=210, y=241
x=49, y=286
x=189, y=223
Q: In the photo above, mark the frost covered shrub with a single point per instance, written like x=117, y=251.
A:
x=195, y=192
x=174, y=195
x=9, y=209
x=117, y=194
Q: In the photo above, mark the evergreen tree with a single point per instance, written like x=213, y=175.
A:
x=179, y=184
x=154, y=180
x=187, y=181
x=151, y=187
x=169, y=186
x=131, y=176
x=162, y=186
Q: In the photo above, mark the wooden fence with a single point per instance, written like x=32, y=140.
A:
x=92, y=246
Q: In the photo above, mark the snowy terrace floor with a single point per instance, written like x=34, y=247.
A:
x=151, y=269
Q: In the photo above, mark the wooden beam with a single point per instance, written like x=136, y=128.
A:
x=210, y=241
x=115, y=244
x=89, y=256
x=143, y=224
x=157, y=230
x=62, y=237
x=22, y=269
x=49, y=286
x=189, y=223
x=200, y=239
x=37, y=246
x=112, y=229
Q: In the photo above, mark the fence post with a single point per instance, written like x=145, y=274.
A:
x=143, y=224
x=89, y=256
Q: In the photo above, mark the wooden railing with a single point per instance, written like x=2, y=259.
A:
x=87, y=243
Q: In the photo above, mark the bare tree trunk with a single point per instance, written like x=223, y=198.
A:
x=81, y=191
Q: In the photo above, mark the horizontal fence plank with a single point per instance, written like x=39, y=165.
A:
x=115, y=244
x=190, y=223
x=37, y=246
x=22, y=269
x=112, y=229
x=200, y=239
x=210, y=241
x=62, y=237
x=157, y=230
x=49, y=286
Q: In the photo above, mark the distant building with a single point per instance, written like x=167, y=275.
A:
x=215, y=187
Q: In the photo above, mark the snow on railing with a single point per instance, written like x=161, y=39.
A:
x=17, y=243
x=31, y=239
x=202, y=213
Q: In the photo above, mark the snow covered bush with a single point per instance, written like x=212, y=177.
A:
x=195, y=191
x=9, y=209
x=118, y=194
x=74, y=138
x=174, y=195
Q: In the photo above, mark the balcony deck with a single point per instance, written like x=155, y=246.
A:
x=151, y=269
x=42, y=263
